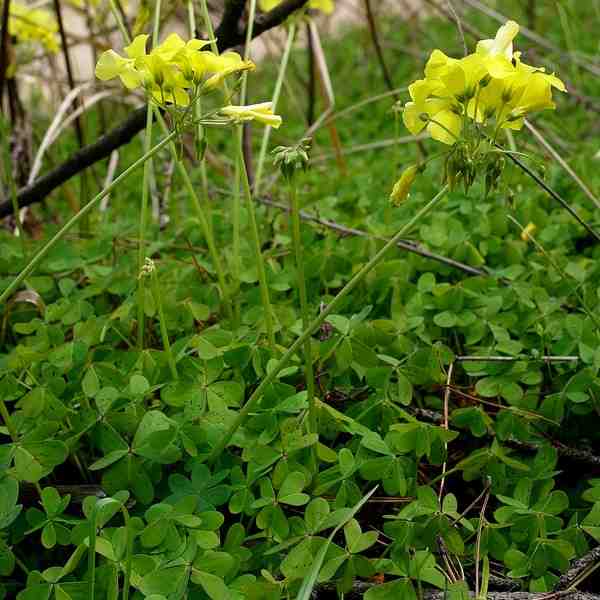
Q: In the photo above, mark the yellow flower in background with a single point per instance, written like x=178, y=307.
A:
x=263, y=113
x=33, y=25
x=491, y=83
x=325, y=6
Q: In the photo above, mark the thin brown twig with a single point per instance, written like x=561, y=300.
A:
x=69, y=68
x=377, y=45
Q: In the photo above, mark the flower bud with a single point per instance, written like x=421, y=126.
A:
x=402, y=186
x=529, y=230
x=485, y=81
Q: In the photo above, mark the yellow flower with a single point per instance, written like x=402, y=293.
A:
x=528, y=231
x=434, y=109
x=222, y=65
x=262, y=112
x=33, y=25
x=402, y=186
x=502, y=44
x=325, y=6
x=492, y=82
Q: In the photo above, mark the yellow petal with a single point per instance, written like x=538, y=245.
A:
x=502, y=44
x=137, y=48
x=109, y=65
x=455, y=81
x=325, y=6
x=437, y=63
x=447, y=127
x=170, y=47
x=411, y=115
x=267, y=5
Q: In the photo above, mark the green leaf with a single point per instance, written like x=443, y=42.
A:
x=90, y=383
x=213, y=585
x=310, y=579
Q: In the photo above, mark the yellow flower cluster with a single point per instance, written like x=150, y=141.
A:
x=492, y=83
x=325, y=6
x=174, y=71
x=33, y=25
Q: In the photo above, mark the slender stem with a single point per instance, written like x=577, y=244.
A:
x=12, y=430
x=249, y=35
x=236, y=267
x=276, y=93
x=209, y=26
x=204, y=223
x=260, y=265
x=198, y=112
x=163, y=325
x=117, y=14
x=304, y=310
x=554, y=195
x=128, y=553
x=242, y=175
x=92, y=554
x=145, y=194
x=141, y=294
x=478, y=542
x=4, y=40
x=39, y=257
x=317, y=322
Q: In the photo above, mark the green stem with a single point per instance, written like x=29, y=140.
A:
x=204, y=223
x=12, y=430
x=316, y=323
x=119, y=20
x=145, y=194
x=236, y=224
x=198, y=113
x=236, y=266
x=141, y=294
x=163, y=325
x=39, y=257
x=260, y=265
x=276, y=93
x=92, y=554
x=128, y=553
x=304, y=310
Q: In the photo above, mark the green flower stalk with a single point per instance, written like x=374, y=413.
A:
x=149, y=270
x=276, y=93
x=260, y=264
x=145, y=194
x=204, y=221
x=290, y=161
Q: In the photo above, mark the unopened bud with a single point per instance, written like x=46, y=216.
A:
x=402, y=186
x=529, y=230
x=485, y=81
x=292, y=158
